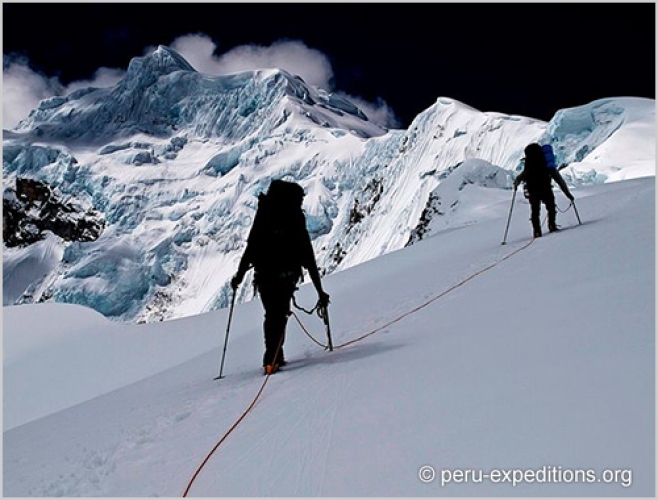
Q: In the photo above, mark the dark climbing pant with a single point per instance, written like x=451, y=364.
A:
x=548, y=199
x=276, y=295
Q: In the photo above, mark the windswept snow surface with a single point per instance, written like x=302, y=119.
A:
x=547, y=359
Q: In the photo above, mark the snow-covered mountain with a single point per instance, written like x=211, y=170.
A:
x=173, y=161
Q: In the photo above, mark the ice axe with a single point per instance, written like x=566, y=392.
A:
x=323, y=312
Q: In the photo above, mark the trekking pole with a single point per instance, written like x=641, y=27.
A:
x=509, y=218
x=324, y=314
x=228, y=328
x=576, y=210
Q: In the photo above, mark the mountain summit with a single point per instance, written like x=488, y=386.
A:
x=161, y=61
x=162, y=95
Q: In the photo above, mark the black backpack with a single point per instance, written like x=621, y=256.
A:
x=279, y=240
x=537, y=175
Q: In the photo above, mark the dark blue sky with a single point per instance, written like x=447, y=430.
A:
x=527, y=59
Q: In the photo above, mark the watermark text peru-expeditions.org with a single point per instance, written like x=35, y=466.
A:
x=543, y=475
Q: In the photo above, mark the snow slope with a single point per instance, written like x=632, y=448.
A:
x=545, y=359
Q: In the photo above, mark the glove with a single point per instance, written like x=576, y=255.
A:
x=323, y=299
x=570, y=196
x=516, y=184
x=235, y=282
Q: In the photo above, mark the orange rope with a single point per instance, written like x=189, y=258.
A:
x=234, y=426
x=419, y=307
x=226, y=435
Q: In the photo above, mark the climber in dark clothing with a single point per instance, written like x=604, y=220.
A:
x=537, y=177
x=278, y=247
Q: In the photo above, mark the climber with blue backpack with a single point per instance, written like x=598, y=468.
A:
x=539, y=170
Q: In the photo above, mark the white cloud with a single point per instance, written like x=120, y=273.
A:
x=378, y=112
x=23, y=88
x=103, y=78
x=292, y=56
x=198, y=51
